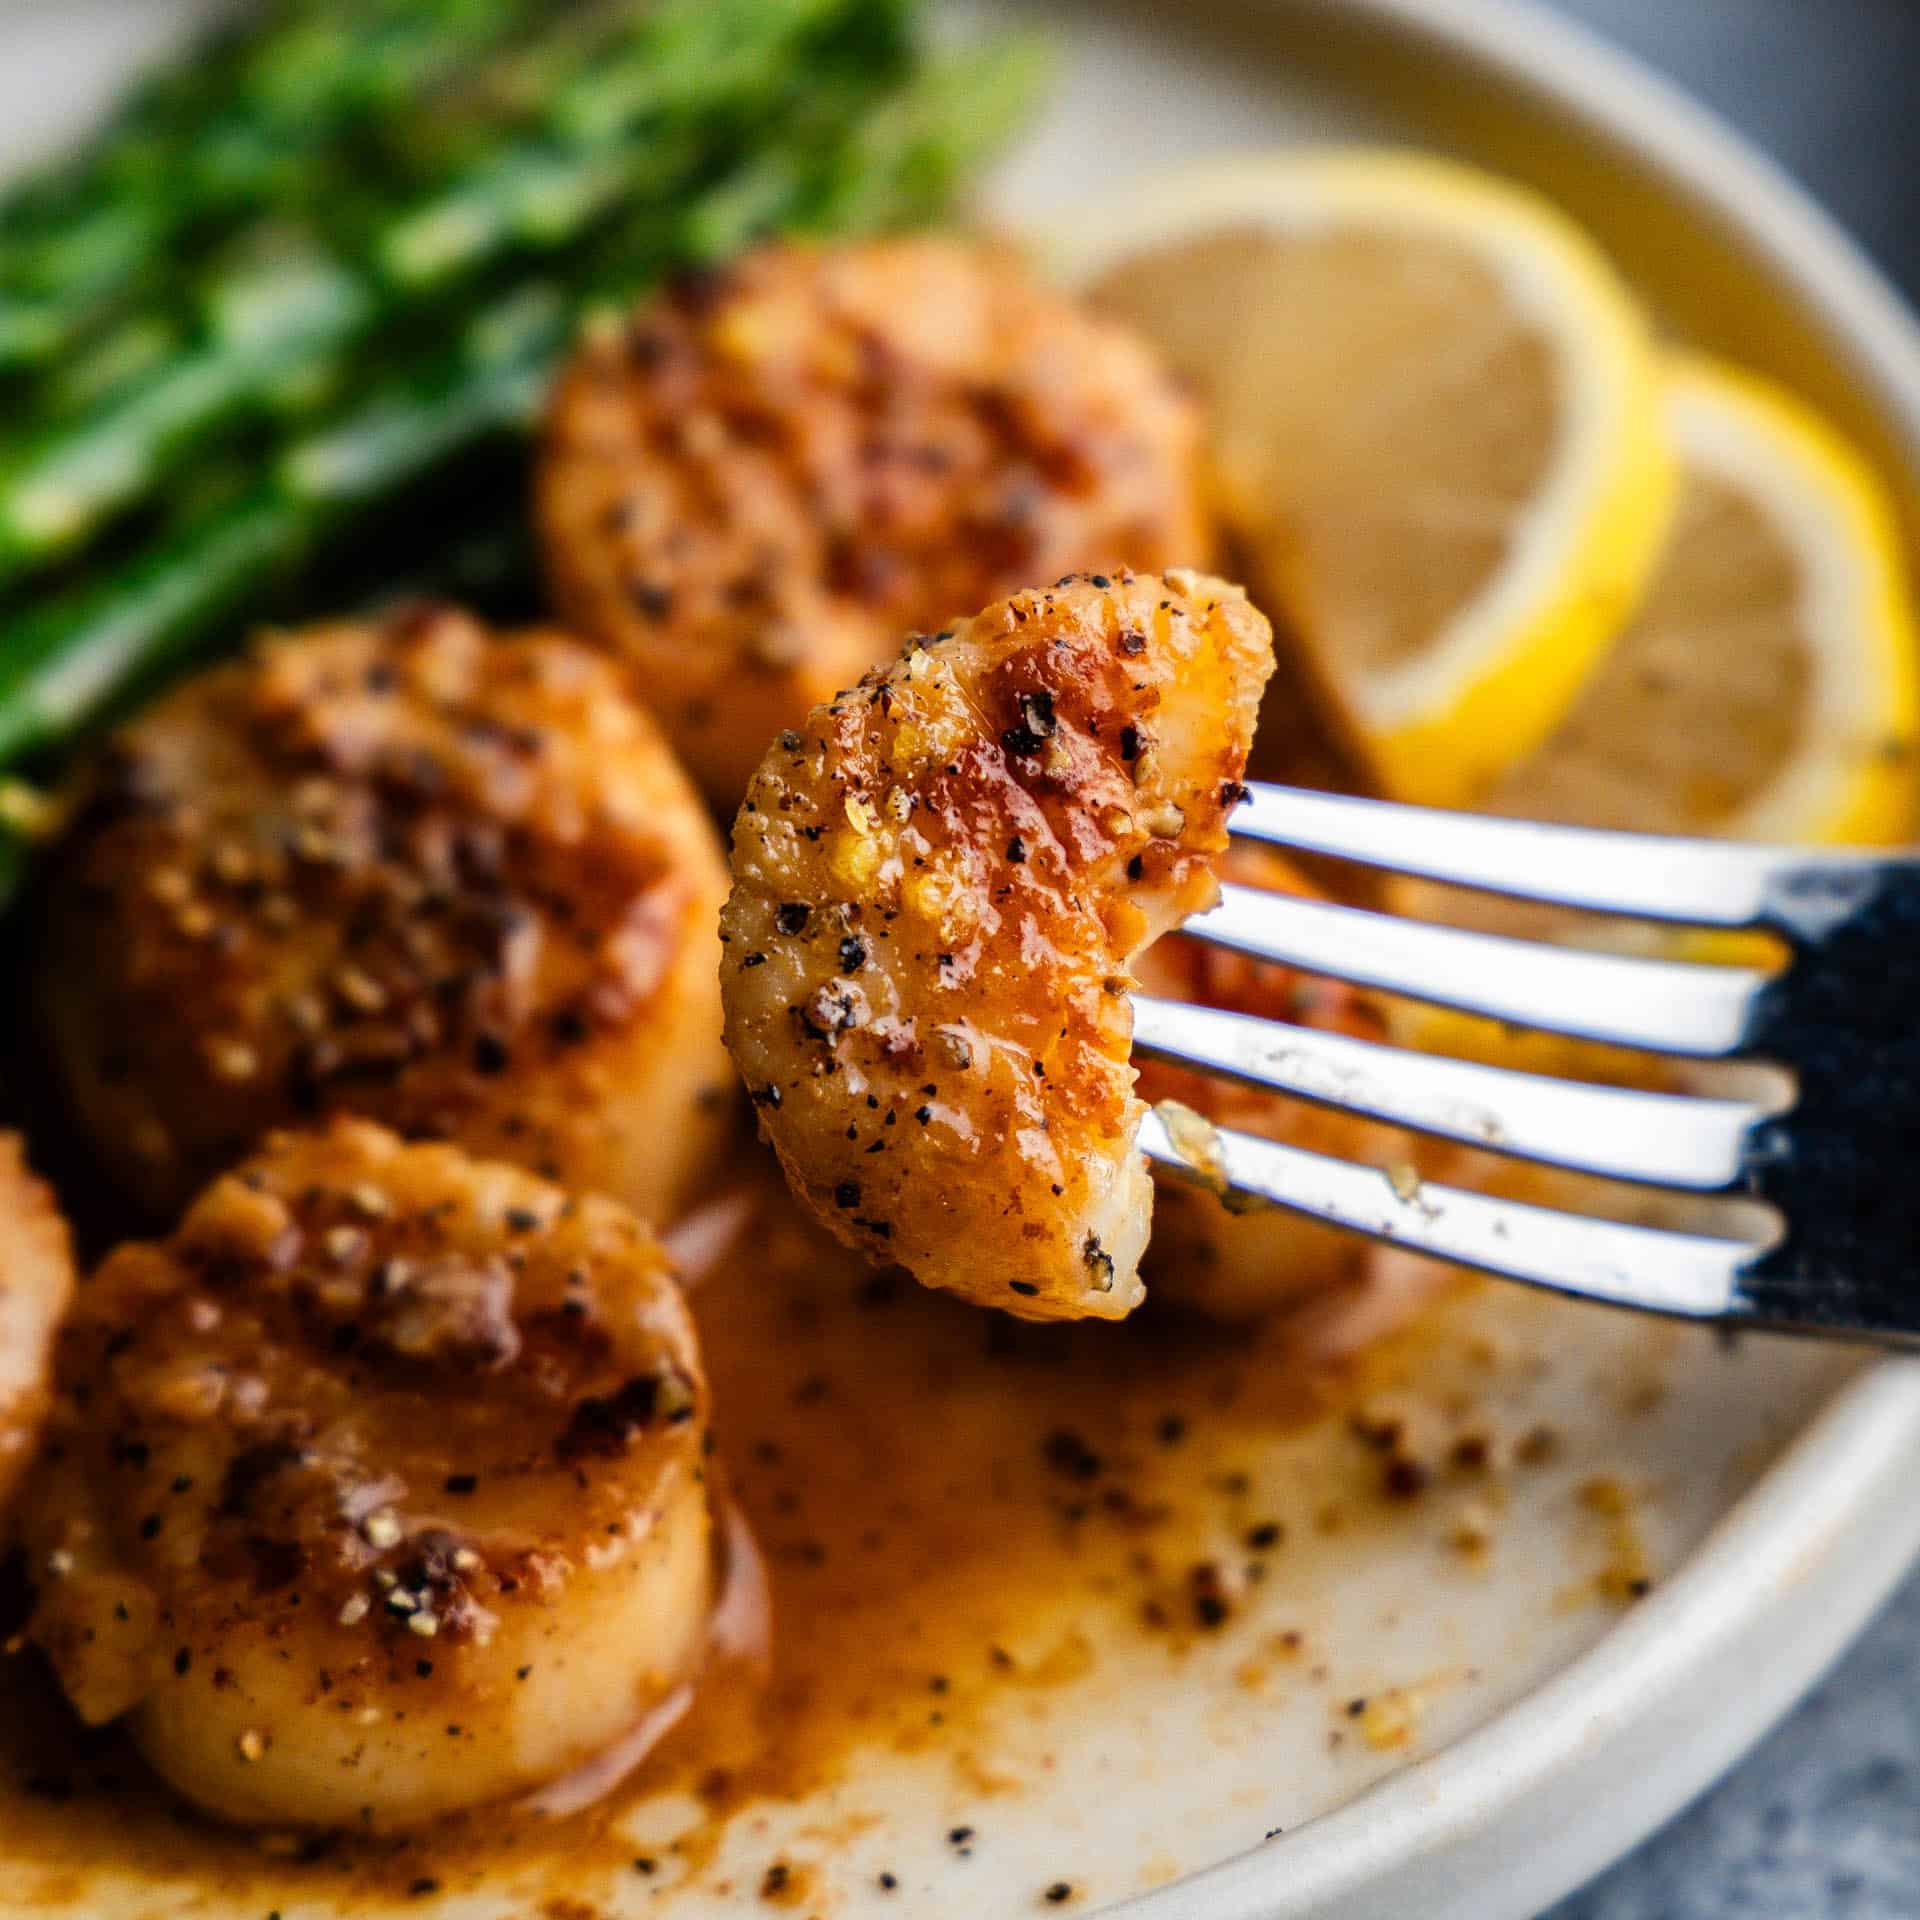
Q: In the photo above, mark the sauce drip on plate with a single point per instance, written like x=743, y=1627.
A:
x=943, y=1499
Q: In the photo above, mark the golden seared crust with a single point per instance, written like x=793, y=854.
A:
x=36, y=1284
x=1245, y=1266
x=376, y=1430
x=453, y=881
x=772, y=472
x=939, y=881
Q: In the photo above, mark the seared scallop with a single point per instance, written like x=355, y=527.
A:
x=452, y=881
x=753, y=488
x=1246, y=1265
x=36, y=1283
x=378, y=1489
x=940, y=880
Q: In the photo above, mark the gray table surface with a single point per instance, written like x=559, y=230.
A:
x=1822, y=1822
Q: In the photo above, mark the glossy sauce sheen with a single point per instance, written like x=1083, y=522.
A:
x=949, y=1505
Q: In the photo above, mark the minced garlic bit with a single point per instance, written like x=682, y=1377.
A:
x=369, y=1202
x=1404, y=1178
x=252, y=1745
x=855, y=856
x=1196, y=1140
x=232, y=1060
x=357, y=1608
x=360, y=990
x=343, y=1244
x=1390, y=1719
x=383, y=1529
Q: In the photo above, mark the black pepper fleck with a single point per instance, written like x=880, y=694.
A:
x=1037, y=724
x=1067, y=1453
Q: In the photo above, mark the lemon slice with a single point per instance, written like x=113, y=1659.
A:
x=1436, y=424
x=1768, y=687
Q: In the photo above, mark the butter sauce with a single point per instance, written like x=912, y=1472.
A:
x=942, y=1498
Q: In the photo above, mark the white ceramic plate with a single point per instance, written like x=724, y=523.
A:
x=1453, y=1732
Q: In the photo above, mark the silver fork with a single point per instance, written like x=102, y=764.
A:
x=1837, y=1162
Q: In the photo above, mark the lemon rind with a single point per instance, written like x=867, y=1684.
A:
x=1493, y=685
x=1831, y=506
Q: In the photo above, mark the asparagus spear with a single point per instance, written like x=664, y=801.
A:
x=279, y=141
x=288, y=144
x=706, y=58
x=60, y=670
x=280, y=100
x=227, y=135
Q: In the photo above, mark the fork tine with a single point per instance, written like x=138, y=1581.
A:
x=1666, y=1006
x=1673, y=1140
x=1706, y=883
x=1694, y=1275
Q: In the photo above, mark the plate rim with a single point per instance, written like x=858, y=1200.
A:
x=1555, y=1787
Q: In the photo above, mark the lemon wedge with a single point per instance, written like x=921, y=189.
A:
x=1769, y=686
x=1436, y=424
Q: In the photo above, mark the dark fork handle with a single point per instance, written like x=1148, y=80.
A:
x=1843, y=1166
